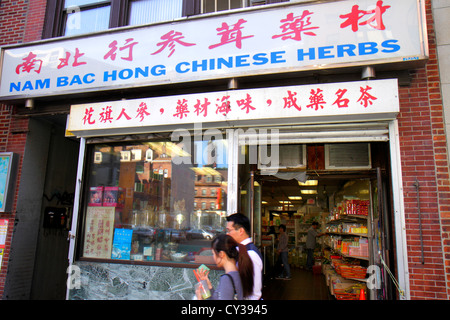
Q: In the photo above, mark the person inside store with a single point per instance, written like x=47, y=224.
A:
x=311, y=244
x=236, y=283
x=238, y=227
x=283, y=252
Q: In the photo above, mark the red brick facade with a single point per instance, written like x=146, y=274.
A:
x=13, y=23
x=423, y=155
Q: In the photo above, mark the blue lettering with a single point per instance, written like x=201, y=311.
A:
x=325, y=52
x=139, y=71
x=158, y=70
x=260, y=58
x=42, y=84
x=76, y=80
x=113, y=76
x=367, y=48
x=14, y=86
x=390, y=46
x=86, y=78
x=125, y=74
x=222, y=61
x=241, y=61
x=203, y=65
x=212, y=64
x=346, y=48
x=178, y=67
x=62, y=81
x=311, y=54
x=277, y=57
x=27, y=86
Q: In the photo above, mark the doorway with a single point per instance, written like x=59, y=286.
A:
x=297, y=197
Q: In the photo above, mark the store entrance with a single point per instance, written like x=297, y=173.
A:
x=352, y=209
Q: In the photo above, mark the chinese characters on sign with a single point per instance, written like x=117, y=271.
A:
x=99, y=232
x=293, y=27
x=224, y=106
x=289, y=38
x=337, y=99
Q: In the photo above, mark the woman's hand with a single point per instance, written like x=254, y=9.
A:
x=203, y=275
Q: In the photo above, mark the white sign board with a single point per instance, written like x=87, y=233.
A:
x=361, y=100
x=269, y=40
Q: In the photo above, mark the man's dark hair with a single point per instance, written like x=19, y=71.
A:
x=240, y=221
x=315, y=223
x=282, y=226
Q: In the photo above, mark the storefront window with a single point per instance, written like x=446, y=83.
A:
x=141, y=201
x=84, y=16
x=150, y=11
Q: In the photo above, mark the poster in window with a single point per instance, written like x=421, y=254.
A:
x=122, y=244
x=3, y=233
x=8, y=163
x=99, y=232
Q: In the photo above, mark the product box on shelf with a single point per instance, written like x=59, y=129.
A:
x=95, y=196
x=113, y=197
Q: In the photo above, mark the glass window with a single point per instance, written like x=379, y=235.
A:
x=84, y=16
x=151, y=11
x=222, y=5
x=141, y=202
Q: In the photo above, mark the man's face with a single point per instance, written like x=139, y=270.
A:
x=236, y=234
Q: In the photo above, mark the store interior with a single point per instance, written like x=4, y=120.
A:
x=345, y=204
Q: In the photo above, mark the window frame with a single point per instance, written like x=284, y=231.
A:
x=88, y=153
x=55, y=23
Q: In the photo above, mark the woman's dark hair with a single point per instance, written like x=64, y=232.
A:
x=227, y=244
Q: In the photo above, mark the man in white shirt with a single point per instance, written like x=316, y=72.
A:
x=238, y=227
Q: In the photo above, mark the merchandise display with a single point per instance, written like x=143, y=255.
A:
x=153, y=202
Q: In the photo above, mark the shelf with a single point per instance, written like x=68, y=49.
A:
x=349, y=217
x=349, y=256
x=349, y=234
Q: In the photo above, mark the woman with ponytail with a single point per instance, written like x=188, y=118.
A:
x=235, y=283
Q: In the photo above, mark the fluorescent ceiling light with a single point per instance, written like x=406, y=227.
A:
x=308, y=191
x=308, y=183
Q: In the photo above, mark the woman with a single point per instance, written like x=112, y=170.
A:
x=234, y=284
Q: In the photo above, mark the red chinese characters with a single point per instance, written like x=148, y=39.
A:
x=341, y=102
x=223, y=106
x=366, y=98
x=128, y=46
x=171, y=39
x=181, y=109
x=30, y=63
x=293, y=27
x=291, y=101
x=356, y=17
x=142, y=111
x=88, y=114
x=246, y=104
x=196, y=109
x=65, y=61
x=231, y=34
x=316, y=99
x=202, y=108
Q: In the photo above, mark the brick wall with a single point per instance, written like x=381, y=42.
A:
x=13, y=23
x=424, y=156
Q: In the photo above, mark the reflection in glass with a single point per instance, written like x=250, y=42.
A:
x=145, y=202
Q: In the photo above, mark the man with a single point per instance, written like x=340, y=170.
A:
x=283, y=251
x=311, y=244
x=238, y=227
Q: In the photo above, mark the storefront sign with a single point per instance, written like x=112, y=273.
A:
x=361, y=100
x=257, y=41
